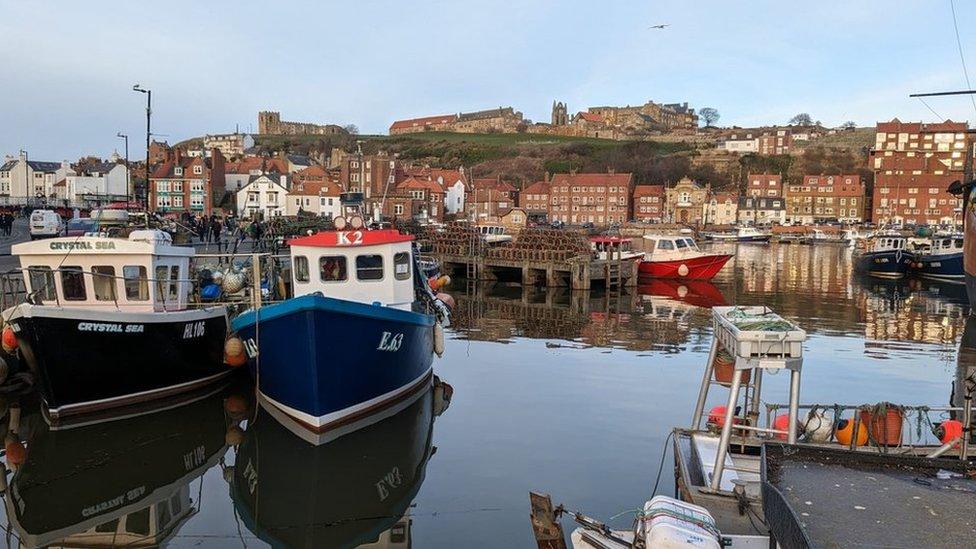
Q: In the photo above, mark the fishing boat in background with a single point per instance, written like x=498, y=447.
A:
x=359, y=333
x=942, y=260
x=107, y=322
x=887, y=256
x=742, y=234
x=678, y=257
x=493, y=233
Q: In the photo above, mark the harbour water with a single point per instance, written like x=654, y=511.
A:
x=553, y=390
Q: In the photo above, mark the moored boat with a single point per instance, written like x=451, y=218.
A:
x=678, y=257
x=358, y=335
x=97, y=332
x=742, y=234
x=887, y=256
x=943, y=260
x=614, y=248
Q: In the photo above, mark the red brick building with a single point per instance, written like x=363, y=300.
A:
x=822, y=198
x=764, y=185
x=369, y=174
x=775, y=141
x=913, y=165
x=648, y=203
x=187, y=184
x=598, y=198
x=534, y=200
x=426, y=200
x=429, y=123
x=491, y=198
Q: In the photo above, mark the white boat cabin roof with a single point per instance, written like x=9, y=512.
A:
x=667, y=243
x=363, y=266
x=144, y=272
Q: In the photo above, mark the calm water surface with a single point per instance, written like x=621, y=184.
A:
x=552, y=390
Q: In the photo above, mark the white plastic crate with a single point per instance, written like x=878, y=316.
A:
x=672, y=524
x=751, y=343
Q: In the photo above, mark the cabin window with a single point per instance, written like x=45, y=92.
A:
x=103, y=280
x=161, y=271
x=332, y=268
x=73, y=283
x=681, y=243
x=401, y=266
x=301, y=268
x=136, y=288
x=665, y=245
x=369, y=267
x=42, y=283
x=174, y=282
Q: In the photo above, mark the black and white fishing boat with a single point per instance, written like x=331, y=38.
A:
x=107, y=322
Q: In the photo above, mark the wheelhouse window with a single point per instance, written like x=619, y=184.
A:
x=401, y=266
x=332, y=268
x=161, y=276
x=42, y=283
x=681, y=243
x=136, y=288
x=103, y=280
x=301, y=268
x=73, y=283
x=369, y=267
x=174, y=282
x=665, y=245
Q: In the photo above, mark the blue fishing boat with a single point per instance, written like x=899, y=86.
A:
x=358, y=335
x=943, y=260
x=887, y=256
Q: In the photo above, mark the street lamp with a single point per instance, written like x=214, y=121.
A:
x=128, y=172
x=148, y=93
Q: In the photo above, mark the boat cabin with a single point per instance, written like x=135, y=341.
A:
x=494, y=234
x=946, y=244
x=663, y=247
x=613, y=247
x=142, y=273
x=889, y=242
x=363, y=266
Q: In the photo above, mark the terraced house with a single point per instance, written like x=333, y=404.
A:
x=823, y=198
x=598, y=198
x=187, y=184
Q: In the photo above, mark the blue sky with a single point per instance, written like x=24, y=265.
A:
x=69, y=66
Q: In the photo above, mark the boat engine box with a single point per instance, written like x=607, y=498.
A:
x=672, y=524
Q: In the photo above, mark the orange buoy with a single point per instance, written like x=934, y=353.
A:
x=15, y=451
x=444, y=281
x=235, y=405
x=845, y=432
x=781, y=423
x=948, y=430
x=434, y=283
x=8, y=339
x=717, y=416
x=234, y=354
x=234, y=435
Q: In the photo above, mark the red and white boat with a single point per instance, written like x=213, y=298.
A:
x=614, y=248
x=678, y=257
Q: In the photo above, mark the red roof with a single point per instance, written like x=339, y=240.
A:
x=539, y=187
x=251, y=163
x=591, y=117
x=414, y=183
x=315, y=188
x=494, y=184
x=648, y=190
x=421, y=122
x=344, y=239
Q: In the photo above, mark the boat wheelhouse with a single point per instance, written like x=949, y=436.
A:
x=494, y=234
x=743, y=234
x=943, y=260
x=614, y=248
x=677, y=256
x=358, y=335
x=887, y=256
x=107, y=322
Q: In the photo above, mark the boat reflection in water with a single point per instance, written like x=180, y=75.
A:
x=292, y=489
x=116, y=483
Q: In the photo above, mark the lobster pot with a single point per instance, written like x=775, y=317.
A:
x=672, y=524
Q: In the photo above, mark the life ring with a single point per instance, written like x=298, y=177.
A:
x=682, y=270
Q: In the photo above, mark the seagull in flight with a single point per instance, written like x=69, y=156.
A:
x=657, y=26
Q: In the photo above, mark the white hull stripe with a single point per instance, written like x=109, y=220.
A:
x=317, y=422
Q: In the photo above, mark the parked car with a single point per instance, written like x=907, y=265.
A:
x=45, y=224
x=81, y=225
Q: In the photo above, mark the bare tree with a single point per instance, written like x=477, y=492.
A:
x=802, y=119
x=351, y=129
x=709, y=115
x=849, y=125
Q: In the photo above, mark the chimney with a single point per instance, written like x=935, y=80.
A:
x=177, y=155
x=547, y=176
x=572, y=171
x=611, y=171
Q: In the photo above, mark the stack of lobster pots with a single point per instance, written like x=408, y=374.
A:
x=545, y=245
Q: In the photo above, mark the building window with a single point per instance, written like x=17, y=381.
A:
x=178, y=171
x=398, y=209
x=198, y=169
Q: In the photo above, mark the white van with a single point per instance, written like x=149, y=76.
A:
x=45, y=224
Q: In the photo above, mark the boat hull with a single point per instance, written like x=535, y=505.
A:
x=704, y=267
x=941, y=267
x=327, y=362
x=85, y=361
x=886, y=264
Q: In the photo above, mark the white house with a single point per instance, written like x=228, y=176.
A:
x=455, y=185
x=761, y=211
x=313, y=197
x=23, y=180
x=100, y=183
x=740, y=143
x=263, y=195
